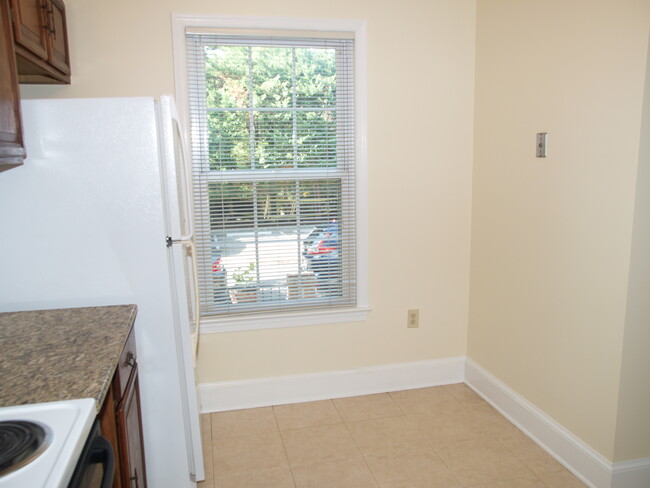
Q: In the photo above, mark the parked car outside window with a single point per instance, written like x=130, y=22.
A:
x=321, y=250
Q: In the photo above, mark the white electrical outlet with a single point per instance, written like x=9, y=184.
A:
x=413, y=318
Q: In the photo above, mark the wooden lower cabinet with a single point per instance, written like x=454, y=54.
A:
x=121, y=421
x=130, y=436
x=108, y=427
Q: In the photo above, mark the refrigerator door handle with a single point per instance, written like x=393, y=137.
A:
x=184, y=177
x=194, y=334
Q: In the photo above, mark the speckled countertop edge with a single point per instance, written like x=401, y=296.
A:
x=61, y=354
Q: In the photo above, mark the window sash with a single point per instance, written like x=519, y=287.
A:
x=343, y=174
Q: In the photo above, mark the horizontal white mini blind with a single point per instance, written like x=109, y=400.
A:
x=272, y=131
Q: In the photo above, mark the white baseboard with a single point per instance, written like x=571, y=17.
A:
x=234, y=395
x=585, y=463
x=631, y=474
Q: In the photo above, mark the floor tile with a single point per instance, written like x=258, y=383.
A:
x=388, y=435
x=411, y=469
x=348, y=473
x=205, y=420
x=236, y=423
x=463, y=394
x=450, y=427
x=492, y=421
x=424, y=400
x=561, y=479
x=443, y=436
x=478, y=462
x=515, y=483
x=206, y=442
x=272, y=478
x=529, y=453
x=308, y=414
x=313, y=445
x=366, y=407
x=237, y=455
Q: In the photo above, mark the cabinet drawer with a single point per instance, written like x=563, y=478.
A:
x=125, y=367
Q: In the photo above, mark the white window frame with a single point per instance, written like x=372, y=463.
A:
x=181, y=22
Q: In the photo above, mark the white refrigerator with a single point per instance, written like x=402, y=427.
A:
x=97, y=216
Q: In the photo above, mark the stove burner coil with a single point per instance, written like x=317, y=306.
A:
x=20, y=443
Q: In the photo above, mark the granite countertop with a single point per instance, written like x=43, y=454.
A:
x=62, y=354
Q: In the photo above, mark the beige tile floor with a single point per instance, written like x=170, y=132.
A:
x=439, y=437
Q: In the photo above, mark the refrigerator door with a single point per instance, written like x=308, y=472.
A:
x=182, y=268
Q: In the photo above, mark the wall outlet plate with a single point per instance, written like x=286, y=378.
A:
x=413, y=318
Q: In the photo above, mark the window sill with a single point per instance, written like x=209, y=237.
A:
x=286, y=319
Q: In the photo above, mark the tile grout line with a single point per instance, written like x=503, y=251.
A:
x=209, y=481
x=433, y=448
x=286, y=454
x=435, y=451
x=492, y=437
x=365, y=462
x=390, y=394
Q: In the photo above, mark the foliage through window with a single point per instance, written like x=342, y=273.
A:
x=272, y=125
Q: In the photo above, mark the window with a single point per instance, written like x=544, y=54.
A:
x=275, y=168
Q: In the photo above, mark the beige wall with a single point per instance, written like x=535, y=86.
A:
x=420, y=156
x=633, y=421
x=551, y=237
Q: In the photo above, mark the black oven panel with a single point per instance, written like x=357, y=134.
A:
x=96, y=464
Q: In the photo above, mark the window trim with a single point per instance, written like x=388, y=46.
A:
x=181, y=22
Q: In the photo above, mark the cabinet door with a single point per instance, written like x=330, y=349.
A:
x=30, y=23
x=130, y=432
x=11, y=138
x=58, y=37
x=108, y=428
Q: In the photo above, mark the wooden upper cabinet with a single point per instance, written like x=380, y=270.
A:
x=29, y=26
x=41, y=41
x=33, y=49
x=12, y=152
x=58, y=38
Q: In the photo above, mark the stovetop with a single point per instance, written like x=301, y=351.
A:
x=65, y=426
x=21, y=441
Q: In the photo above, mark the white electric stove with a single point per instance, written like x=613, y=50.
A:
x=61, y=427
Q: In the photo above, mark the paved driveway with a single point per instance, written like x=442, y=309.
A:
x=279, y=251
